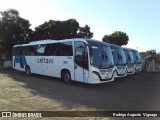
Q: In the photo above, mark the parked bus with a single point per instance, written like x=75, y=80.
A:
x=119, y=60
x=83, y=60
x=137, y=60
x=129, y=61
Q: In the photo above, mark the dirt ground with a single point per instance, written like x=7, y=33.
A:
x=19, y=92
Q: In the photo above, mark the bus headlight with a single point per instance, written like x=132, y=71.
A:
x=97, y=73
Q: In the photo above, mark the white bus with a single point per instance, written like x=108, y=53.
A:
x=83, y=60
x=119, y=60
x=129, y=61
x=137, y=60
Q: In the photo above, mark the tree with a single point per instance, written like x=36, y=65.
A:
x=84, y=32
x=118, y=38
x=57, y=29
x=151, y=52
x=61, y=30
x=148, y=53
x=14, y=30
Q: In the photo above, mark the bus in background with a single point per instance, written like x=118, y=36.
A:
x=129, y=61
x=137, y=60
x=83, y=60
x=119, y=60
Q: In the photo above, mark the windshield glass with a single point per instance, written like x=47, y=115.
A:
x=101, y=56
x=119, y=57
x=129, y=57
x=137, y=57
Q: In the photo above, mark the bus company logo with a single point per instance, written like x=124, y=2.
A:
x=45, y=60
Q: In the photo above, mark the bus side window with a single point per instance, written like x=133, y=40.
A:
x=32, y=50
x=17, y=51
x=67, y=49
x=53, y=49
x=40, y=50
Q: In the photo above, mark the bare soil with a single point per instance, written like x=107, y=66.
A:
x=19, y=92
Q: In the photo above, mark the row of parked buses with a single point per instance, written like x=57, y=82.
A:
x=78, y=59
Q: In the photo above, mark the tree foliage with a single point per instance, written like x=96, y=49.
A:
x=149, y=53
x=62, y=30
x=84, y=32
x=118, y=38
x=13, y=30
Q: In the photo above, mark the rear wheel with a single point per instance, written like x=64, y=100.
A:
x=66, y=76
x=28, y=71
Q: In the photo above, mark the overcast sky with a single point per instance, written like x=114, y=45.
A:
x=140, y=19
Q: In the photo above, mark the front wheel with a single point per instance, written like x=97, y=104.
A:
x=66, y=76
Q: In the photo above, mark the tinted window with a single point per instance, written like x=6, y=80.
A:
x=119, y=56
x=40, y=50
x=53, y=49
x=17, y=51
x=29, y=50
x=67, y=49
x=81, y=55
x=59, y=49
x=101, y=56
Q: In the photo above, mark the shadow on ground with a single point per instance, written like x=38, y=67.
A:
x=135, y=92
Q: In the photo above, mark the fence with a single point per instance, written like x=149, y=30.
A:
x=5, y=63
x=151, y=65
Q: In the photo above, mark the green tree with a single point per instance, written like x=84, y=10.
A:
x=84, y=32
x=61, y=30
x=13, y=30
x=149, y=53
x=57, y=29
x=118, y=38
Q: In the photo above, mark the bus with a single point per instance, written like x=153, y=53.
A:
x=84, y=60
x=129, y=61
x=137, y=60
x=119, y=60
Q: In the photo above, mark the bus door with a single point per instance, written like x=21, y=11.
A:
x=39, y=64
x=47, y=66
x=81, y=63
x=40, y=58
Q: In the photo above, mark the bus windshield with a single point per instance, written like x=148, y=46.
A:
x=137, y=57
x=101, y=56
x=119, y=57
x=129, y=57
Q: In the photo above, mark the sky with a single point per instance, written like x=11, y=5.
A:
x=140, y=19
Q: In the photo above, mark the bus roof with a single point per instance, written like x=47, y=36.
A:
x=133, y=50
x=126, y=49
x=113, y=46
x=65, y=40
x=97, y=42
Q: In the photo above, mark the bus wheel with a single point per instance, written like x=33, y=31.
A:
x=28, y=71
x=66, y=76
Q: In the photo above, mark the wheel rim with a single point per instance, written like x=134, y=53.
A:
x=66, y=77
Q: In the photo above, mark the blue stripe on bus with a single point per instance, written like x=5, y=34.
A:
x=24, y=60
x=21, y=60
x=17, y=59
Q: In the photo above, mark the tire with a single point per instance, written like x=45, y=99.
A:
x=66, y=76
x=28, y=71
